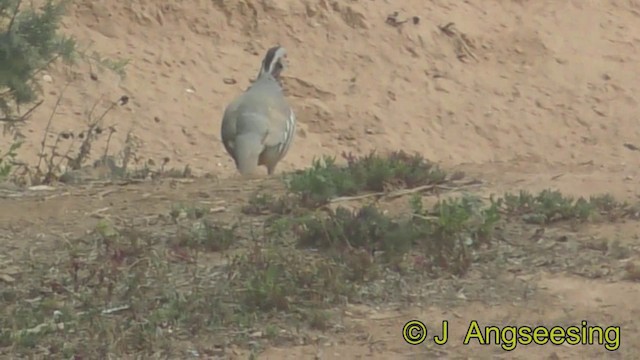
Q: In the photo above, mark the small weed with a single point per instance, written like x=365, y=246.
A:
x=116, y=65
x=354, y=237
x=397, y=170
x=261, y=204
x=202, y=233
x=367, y=237
x=278, y=279
x=8, y=159
x=451, y=229
x=66, y=156
x=551, y=206
x=208, y=236
x=184, y=211
x=371, y=173
x=318, y=319
x=149, y=171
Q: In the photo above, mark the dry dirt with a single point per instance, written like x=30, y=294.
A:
x=527, y=95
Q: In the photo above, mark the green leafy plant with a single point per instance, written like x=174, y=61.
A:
x=549, y=206
x=7, y=160
x=370, y=173
x=442, y=235
x=29, y=43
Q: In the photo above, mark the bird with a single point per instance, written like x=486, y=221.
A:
x=258, y=126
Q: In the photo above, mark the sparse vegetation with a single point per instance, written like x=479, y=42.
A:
x=208, y=236
x=371, y=173
x=552, y=206
x=32, y=44
x=7, y=160
x=129, y=288
x=29, y=43
x=261, y=203
x=125, y=290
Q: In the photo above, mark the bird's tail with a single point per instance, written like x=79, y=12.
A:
x=248, y=147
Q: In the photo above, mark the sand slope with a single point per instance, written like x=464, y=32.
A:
x=551, y=82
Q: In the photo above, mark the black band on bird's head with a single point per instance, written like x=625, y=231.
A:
x=272, y=62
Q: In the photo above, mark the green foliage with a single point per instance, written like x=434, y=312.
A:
x=208, y=236
x=193, y=212
x=197, y=232
x=371, y=173
x=29, y=42
x=452, y=228
x=551, y=206
x=278, y=278
x=141, y=290
x=115, y=65
x=260, y=204
x=442, y=236
x=7, y=159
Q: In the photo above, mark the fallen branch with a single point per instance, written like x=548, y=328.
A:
x=404, y=192
x=462, y=42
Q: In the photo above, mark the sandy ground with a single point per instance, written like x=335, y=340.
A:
x=522, y=94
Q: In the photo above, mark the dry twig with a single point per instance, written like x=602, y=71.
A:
x=462, y=43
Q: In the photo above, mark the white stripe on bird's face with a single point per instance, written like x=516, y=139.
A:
x=273, y=62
